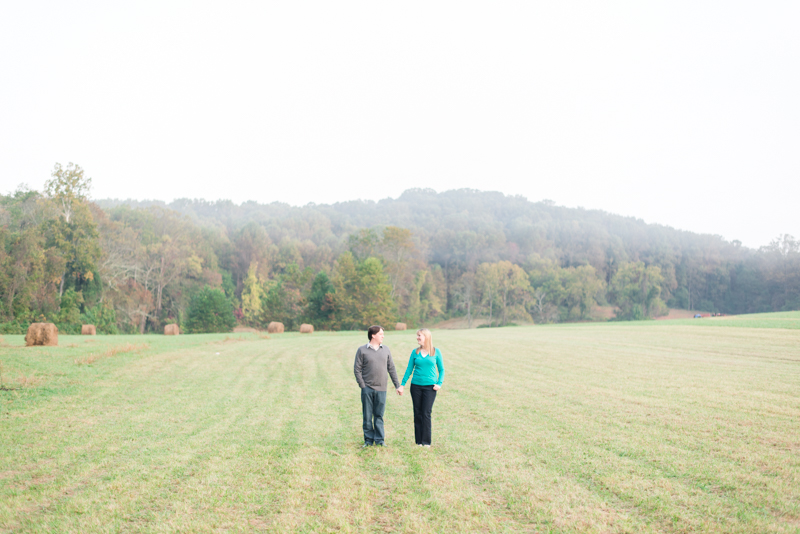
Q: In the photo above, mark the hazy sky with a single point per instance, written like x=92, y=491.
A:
x=679, y=113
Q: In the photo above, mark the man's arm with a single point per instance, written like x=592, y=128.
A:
x=392, y=371
x=358, y=365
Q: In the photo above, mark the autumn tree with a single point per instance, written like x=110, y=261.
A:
x=251, y=295
x=513, y=289
x=251, y=244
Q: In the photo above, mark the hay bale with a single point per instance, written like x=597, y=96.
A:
x=42, y=334
x=171, y=330
x=306, y=329
x=275, y=328
x=88, y=330
x=400, y=326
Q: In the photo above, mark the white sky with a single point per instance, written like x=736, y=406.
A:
x=680, y=113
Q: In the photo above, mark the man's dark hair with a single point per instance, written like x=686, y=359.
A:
x=373, y=330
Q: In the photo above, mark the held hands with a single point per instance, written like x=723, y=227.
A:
x=401, y=389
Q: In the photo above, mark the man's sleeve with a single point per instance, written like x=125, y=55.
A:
x=357, y=366
x=392, y=371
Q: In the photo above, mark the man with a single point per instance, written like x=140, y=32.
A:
x=373, y=361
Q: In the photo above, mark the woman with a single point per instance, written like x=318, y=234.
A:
x=426, y=364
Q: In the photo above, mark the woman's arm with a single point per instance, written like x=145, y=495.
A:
x=439, y=367
x=409, y=368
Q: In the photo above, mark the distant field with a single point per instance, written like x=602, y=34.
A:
x=672, y=426
x=789, y=320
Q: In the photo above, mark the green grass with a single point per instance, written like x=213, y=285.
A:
x=790, y=320
x=611, y=427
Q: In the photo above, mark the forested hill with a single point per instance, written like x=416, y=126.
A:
x=462, y=228
x=467, y=225
x=424, y=257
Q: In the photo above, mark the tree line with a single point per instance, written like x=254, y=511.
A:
x=134, y=266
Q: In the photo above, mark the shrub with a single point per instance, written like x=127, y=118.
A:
x=104, y=317
x=68, y=319
x=210, y=311
x=13, y=327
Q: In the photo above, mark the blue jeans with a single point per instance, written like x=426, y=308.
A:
x=372, y=405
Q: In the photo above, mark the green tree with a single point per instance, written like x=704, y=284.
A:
x=432, y=294
x=27, y=279
x=635, y=289
x=548, y=288
x=398, y=251
x=488, y=286
x=364, y=243
x=283, y=300
x=464, y=295
x=363, y=293
x=210, y=311
x=581, y=286
x=103, y=317
x=321, y=302
x=375, y=294
x=506, y=285
x=68, y=319
x=73, y=231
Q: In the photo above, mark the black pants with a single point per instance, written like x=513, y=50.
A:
x=422, y=397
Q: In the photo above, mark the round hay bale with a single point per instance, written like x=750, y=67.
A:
x=88, y=330
x=400, y=326
x=42, y=334
x=275, y=328
x=306, y=329
x=172, y=330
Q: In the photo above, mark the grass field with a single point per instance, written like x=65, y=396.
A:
x=641, y=427
x=760, y=320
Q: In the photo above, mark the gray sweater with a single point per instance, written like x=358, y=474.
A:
x=371, y=366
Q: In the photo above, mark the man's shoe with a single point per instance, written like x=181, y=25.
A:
x=381, y=445
x=365, y=445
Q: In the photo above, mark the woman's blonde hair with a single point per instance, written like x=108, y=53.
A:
x=428, y=343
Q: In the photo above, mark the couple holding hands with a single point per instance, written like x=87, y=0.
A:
x=374, y=361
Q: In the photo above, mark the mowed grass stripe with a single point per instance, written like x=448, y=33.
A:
x=575, y=423
x=577, y=428
x=158, y=437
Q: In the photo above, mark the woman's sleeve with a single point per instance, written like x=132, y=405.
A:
x=440, y=367
x=409, y=368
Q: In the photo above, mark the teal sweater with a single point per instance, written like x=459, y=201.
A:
x=425, y=369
